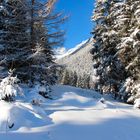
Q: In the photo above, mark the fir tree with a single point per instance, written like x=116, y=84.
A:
x=109, y=68
x=129, y=55
x=14, y=38
x=115, y=52
x=45, y=34
x=29, y=30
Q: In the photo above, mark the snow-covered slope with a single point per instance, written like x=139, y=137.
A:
x=78, y=58
x=59, y=52
x=74, y=114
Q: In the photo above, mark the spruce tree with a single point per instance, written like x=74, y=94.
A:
x=115, y=53
x=29, y=30
x=109, y=68
x=45, y=34
x=14, y=40
x=129, y=53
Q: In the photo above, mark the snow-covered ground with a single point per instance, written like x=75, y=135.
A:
x=74, y=114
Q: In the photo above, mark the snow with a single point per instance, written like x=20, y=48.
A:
x=137, y=103
x=61, y=52
x=1, y=8
x=137, y=12
x=9, y=87
x=74, y=114
x=21, y=115
x=79, y=59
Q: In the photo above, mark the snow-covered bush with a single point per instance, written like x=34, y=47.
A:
x=36, y=102
x=137, y=103
x=39, y=93
x=102, y=100
x=44, y=90
x=9, y=88
x=40, y=89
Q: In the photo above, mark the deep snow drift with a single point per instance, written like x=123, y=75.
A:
x=74, y=114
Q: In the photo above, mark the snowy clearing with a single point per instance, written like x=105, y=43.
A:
x=74, y=114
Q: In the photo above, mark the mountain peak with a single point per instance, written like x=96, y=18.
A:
x=61, y=51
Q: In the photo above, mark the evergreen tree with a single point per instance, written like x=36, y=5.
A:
x=45, y=34
x=65, y=78
x=109, y=68
x=14, y=32
x=129, y=53
x=115, y=52
x=74, y=81
x=103, y=46
x=29, y=30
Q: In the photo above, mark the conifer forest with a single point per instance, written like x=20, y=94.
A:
x=49, y=91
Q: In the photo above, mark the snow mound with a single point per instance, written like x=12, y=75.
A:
x=15, y=116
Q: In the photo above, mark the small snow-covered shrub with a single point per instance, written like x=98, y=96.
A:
x=37, y=102
x=9, y=88
x=102, y=100
x=137, y=103
x=39, y=93
x=44, y=90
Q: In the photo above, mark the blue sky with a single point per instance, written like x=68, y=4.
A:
x=79, y=25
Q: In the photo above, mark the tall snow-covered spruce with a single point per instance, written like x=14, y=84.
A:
x=45, y=34
x=130, y=50
x=28, y=31
x=109, y=68
x=14, y=35
x=116, y=51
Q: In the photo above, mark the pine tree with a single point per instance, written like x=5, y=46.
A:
x=129, y=53
x=74, y=82
x=45, y=34
x=101, y=32
x=14, y=38
x=109, y=68
x=65, y=78
x=115, y=53
x=29, y=30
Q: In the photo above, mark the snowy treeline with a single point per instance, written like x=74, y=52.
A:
x=28, y=31
x=77, y=65
x=68, y=77
x=116, y=53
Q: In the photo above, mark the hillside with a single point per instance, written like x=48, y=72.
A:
x=78, y=59
x=74, y=114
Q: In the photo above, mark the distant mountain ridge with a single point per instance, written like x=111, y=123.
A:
x=78, y=59
x=62, y=52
